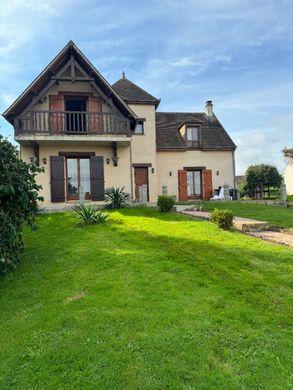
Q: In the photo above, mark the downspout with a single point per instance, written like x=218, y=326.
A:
x=234, y=169
x=131, y=178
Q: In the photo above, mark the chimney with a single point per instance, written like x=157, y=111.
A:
x=209, y=108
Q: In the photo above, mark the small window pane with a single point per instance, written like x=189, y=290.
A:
x=197, y=182
x=72, y=176
x=189, y=183
x=85, y=175
x=139, y=128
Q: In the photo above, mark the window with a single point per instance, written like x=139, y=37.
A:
x=194, y=184
x=78, y=177
x=192, y=137
x=139, y=127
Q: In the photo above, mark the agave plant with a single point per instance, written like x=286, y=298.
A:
x=116, y=198
x=89, y=215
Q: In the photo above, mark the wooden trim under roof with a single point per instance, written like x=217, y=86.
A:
x=45, y=77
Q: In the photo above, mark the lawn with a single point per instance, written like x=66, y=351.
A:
x=146, y=301
x=277, y=216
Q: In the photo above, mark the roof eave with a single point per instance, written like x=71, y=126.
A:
x=9, y=111
x=146, y=102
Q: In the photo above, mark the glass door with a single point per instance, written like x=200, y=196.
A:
x=78, y=178
x=194, y=184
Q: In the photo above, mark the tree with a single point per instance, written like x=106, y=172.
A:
x=18, y=203
x=258, y=175
x=288, y=152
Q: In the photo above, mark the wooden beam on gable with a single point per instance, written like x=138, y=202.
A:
x=37, y=97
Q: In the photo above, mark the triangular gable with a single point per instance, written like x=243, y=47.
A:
x=70, y=64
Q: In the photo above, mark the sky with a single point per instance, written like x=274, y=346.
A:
x=237, y=53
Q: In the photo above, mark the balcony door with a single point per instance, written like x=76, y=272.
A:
x=76, y=114
x=78, y=178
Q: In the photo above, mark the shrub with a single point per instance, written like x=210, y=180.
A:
x=289, y=198
x=18, y=203
x=116, y=198
x=89, y=215
x=223, y=218
x=165, y=203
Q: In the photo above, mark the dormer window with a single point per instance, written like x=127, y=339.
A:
x=139, y=127
x=192, y=136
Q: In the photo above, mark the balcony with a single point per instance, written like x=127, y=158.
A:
x=67, y=123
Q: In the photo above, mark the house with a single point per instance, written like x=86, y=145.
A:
x=288, y=172
x=89, y=135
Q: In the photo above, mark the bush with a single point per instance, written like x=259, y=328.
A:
x=116, y=198
x=223, y=218
x=165, y=203
x=289, y=198
x=18, y=203
x=89, y=215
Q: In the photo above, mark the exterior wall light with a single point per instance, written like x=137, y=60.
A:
x=108, y=160
x=170, y=173
x=44, y=160
x=217, y=173
x=153, y=170
x=115, y=161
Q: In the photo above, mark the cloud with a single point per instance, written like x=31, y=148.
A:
x=257, y=146
x=237, y=53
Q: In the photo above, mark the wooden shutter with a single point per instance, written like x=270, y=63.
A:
x=97, y=177
x=56, y=107
x=57, y=178
x=182, y=185
x=207, y=184
x=95, y=117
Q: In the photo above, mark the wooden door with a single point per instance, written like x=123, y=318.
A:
x=207, y=184
x=182, y=185
x=141, y=178
x=95, y=115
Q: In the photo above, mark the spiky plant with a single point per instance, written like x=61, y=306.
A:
x=89, y=215
x=116, y=198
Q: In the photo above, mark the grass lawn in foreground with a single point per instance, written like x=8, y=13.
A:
x=146, y=301
x=277, y=216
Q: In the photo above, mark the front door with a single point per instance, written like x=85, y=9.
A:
x=194, y=184
x=141, y=184
x=78, y=177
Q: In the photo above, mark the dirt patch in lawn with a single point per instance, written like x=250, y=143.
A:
x=75, y=297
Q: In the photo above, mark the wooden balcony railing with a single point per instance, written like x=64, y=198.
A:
x=71, y=122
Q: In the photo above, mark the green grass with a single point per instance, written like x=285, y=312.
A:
x=277, y=216
x=146, y=301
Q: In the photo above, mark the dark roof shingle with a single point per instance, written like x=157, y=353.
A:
x=132, y=93
x=213, y=135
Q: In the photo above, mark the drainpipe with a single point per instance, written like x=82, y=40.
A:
x=234, y=169
x=131, y=178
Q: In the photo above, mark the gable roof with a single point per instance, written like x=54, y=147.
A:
x=132, y=93
x=213, y=135
x=44, y=78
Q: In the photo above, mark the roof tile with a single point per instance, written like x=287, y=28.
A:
x=213, y=135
